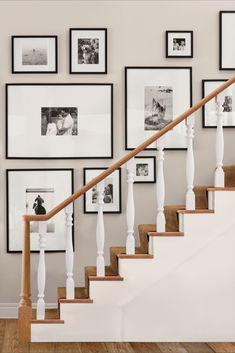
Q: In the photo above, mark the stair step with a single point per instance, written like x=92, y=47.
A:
x=135, y=256
x=63, y=301
x=221, y=189
x=196, y=211
x=47, y=321
x=80, y=293
x=106, y=278
x=166, y=234
x=50, y=314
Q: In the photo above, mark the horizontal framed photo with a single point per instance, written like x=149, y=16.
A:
x=179, y=44
x=155, y=96
x=37, y=191
x=51, y=121
x=88, y=50
x=112, y=191
x=209, y=109
x=145, y=169
x=34, y=54
x=227, y=39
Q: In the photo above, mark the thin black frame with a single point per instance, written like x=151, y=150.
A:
x=220, y=41
x=61, y=84
x=155, y=67
x=179, y=56
x=120, y=190
x=13, y=71
x=70, y=52
x=7, y=205
x=154, y=170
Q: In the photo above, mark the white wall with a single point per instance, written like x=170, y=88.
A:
x=136, y=36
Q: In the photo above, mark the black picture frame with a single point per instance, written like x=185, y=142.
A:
x=101, y=71
x=222, y=39
x=190, y=33
x=8, y=171
x=119, y=193
x=14, y=38
x=154, y=170
x=109, y=102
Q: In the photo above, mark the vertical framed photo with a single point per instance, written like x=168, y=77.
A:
x=34, y=54
x=155, y=96
x=209, y=109
x=88, y=50
x=227, y=40
x=179, y=44
x=37, y=191
x=145, y=169
x=112, y=191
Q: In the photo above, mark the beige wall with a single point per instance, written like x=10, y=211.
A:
x=136, y=36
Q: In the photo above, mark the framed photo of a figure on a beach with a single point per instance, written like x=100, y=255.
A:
x=154, y=97
x=37, y=191
x=34, y=54
x=59, y=121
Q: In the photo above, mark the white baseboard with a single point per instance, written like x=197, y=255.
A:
x=10, y=310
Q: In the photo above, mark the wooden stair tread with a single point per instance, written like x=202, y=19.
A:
x=80, y=293
x=106, y=278
x=221, y=189
x=50, y=314
x=166, y=234
x=195, y=211
x=110, y=275
x=47, y=321
x=135, y=256
x=71, y=301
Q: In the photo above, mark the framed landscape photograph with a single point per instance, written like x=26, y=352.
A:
x=145, y=169
x=88, y=50
x=155, y=96
x=179, y=44
x=34, y=54
x=59, y=121
x=112, y=191
x=209, y=109
x=37, y=191
x=227, y=39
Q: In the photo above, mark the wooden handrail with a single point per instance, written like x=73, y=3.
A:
x=131, y=154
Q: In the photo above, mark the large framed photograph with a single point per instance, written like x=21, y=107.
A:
x=112, y=191
x=179, y=44
x=88, y=50
x=209, y=109
x=34, y=54
x=59, y=121
x=155, y=96
x=145, y=169
x=227, y=40
x=37, y=191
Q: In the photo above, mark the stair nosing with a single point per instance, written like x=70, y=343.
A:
x=47, y=321
x=135, y=256
x=76, y=300
x=196, y=211
x=106, y=278
x=221, y=189
x=165, y=234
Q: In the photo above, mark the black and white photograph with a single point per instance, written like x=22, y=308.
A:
x=179, y=44
x=88, y=50
x=34, y=54
x=227, y=39
x=59, y=121
x=111, y=195
x=36, y=192
x=145, y=169
x=228, y=104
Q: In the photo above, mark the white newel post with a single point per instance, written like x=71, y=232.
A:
x=41, y=271
x=219, y=173
x=69, y=252
x=190, y=196
x=130, y=208
x=161, y=221
x=100, y=264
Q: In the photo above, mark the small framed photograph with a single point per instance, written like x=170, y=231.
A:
x=179, y=44
x=112, y=191
x=209, y=109
x=88, y=50
x=34, y=54
x=227, y=40
x=37, y=191
x=155, y=96
x=145, y=169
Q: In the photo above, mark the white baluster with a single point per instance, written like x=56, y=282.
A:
x=100, y=231
x=161, y=221
x=219, y=173
x=130, y=208
x=41, y=271
x=190, y=196
x=69, y=252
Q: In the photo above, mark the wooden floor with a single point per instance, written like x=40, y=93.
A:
x=9, y=344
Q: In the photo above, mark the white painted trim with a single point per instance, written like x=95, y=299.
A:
x=10, y=310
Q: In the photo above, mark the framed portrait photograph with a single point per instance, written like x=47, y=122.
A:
x=59, y=121
x=88, y=50
x=34, y=54
x=155, y=96
x=145, y=169
x=179, y=44
x=112, y=191
x=37, y=191
x=209, y=118
x=227, y=39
